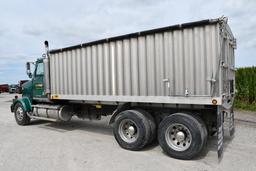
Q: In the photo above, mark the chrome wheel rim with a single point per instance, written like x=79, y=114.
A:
x=178, y=137
x=19, y=113
x=128, y=130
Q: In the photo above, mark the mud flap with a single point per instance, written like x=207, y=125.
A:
x=231, y=124
x=220, y=131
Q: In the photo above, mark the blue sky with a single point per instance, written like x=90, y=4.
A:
x=24, y=25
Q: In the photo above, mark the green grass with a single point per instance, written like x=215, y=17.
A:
x=245, y=106
x=246, y=88
x=246, y=84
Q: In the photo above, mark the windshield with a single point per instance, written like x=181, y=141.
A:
x=40, y=69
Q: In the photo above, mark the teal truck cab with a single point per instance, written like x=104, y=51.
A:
x=30, y=90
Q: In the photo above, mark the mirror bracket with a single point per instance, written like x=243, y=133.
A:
x=28, y=69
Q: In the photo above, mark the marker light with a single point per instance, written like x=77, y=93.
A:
x=214, y=101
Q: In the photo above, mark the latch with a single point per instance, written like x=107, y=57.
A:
x=167, y=81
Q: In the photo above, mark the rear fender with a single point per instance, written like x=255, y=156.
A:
x=119, y=109
x=25, y=101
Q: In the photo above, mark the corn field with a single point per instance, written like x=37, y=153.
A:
x=246, y=85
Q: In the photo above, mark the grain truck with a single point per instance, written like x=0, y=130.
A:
x=174, y=84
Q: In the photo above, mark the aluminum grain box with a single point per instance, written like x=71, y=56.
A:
x=191, y=63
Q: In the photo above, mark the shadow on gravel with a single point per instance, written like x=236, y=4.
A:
x=151, y=146
x=212, y=146
x=102, y=127
x=37, y=122
x=82, y=125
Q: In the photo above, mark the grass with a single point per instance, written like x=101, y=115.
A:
x=246, y=88
x=245, y=106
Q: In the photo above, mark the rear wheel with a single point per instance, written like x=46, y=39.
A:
x=181, y=136
x=20, y=115
x=205, y=131
x=152, y=124
x=131, y=130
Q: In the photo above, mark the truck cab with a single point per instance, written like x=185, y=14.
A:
x=34, y=88
x=13, y=88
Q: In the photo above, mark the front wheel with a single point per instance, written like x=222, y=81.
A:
x=181, y=136
x=20, y=115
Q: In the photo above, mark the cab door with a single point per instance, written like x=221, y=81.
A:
x=38, y=81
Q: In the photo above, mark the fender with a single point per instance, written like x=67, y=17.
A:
x=120, y=108
x=25, y=101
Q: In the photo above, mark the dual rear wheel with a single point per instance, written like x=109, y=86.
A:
x=133, y=129
x=180, y=135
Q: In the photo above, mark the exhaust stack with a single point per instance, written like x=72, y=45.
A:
x=47, y=88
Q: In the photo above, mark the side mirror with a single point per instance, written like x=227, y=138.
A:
x=30, y=75
x=28, y=70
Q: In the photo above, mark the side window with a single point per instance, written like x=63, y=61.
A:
x=40, y=69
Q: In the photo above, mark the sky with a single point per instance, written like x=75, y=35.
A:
x=26, y=24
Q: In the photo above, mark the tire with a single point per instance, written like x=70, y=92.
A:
x=152, y=124
x=20, y=115
x=182, y=136
x=134, y=140
x=205, y=131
